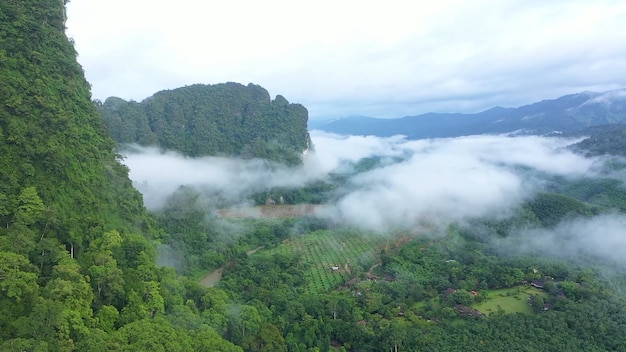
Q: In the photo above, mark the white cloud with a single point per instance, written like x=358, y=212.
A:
x=607, y=98
x=436, y=181
x=356, y=57
x=450, y=180
x=583, y=239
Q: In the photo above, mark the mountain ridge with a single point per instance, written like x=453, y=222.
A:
x=564, y=114
x=228, y=119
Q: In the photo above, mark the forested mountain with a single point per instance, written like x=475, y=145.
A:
x=77, y=269
x=567, y=113
x=223, y=119
x=601, y=140
x=54, y=144
x=78, y=251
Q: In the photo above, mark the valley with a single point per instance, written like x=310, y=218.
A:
x=211, y=217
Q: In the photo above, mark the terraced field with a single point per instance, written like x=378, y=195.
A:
x=331, y=258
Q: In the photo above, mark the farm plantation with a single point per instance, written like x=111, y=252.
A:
x=324, y=286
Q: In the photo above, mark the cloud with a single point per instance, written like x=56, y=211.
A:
x=588, y=240
x=354, y=57
x=158, y=174
x=450, y=180
x=436, y=181
x=607, y=98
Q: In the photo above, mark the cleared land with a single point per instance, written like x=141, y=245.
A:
x=212, y=278
x=270, y=211
x=331, y=259
x=510, y=300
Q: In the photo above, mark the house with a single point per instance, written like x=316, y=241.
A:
x=539, y=283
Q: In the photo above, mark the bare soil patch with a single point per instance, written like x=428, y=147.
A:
x=270, y=211
x=212, y=278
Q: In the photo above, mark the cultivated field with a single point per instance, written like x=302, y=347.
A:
x=331, y=258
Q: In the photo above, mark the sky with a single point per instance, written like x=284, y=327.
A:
x=346, y=58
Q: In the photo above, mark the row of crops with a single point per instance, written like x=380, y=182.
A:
x=331, y=258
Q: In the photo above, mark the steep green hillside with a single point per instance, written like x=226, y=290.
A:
x=77, y=272
x=222, y=119
x=52, y=139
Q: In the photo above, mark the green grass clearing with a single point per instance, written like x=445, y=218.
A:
x=510, y=300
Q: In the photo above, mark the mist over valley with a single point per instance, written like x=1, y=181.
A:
x=223, y=217
x=394, y=185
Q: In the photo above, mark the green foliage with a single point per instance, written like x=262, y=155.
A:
x=76, y=269
x=18, y=277
x=78, y=265
x=222, y=119
x=551, y=208
x=309, y=260
x=605, y=192
x=602, y=140
x=53, y=143
x=195, y=240
x=315, y=193
x=412, y=312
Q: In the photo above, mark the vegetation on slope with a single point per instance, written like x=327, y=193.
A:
x=78, y=265
x=222, y=119
x=77, y=271
x=602, y=140
x=407, y=291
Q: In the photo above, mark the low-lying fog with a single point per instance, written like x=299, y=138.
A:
x=437, y=181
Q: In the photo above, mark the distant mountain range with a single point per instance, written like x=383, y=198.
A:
x=565, y=114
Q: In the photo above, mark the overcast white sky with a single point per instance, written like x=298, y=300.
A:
x=342, y=58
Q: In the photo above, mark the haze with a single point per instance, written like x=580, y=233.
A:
x=423, y=186
x=444, y=180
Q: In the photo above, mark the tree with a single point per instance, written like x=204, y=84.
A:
x=221, y=119
x=18, y=290
x=63, y=312
x=460, y=297
x=106, y=318
x=207, y=340
x=106, y=277
x=18, y=280
x=537, y=303
x=151, y=335
x=29, y=208
x=245, y=320
x=267, y=339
